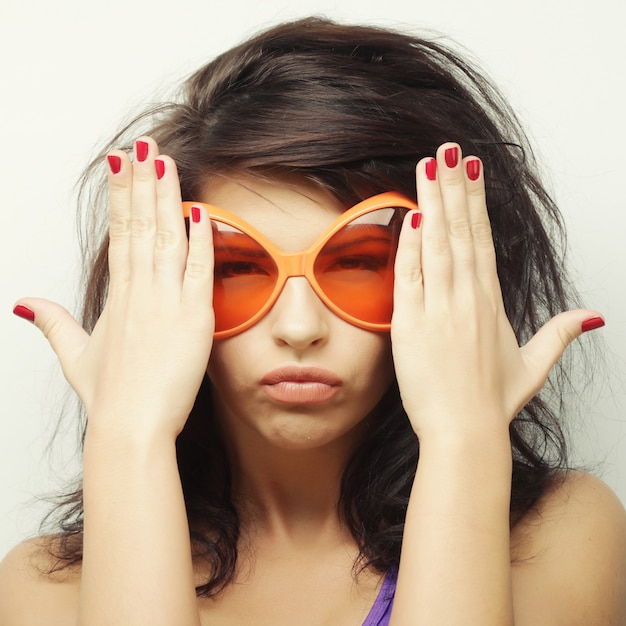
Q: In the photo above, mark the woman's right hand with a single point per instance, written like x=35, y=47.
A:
x=139, y=371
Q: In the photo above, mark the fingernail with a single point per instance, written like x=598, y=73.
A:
x=473, y=169
x=592, y=323
x=141, y=150
x=115, y=163
x=195, y=214
x=24, y=312
x=416, y=219
x=451, y=156
x=160, y=168
x=431, y=169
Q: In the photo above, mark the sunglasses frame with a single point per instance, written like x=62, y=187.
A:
x=291, y=264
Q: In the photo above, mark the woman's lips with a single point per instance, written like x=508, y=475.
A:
x=300, y=385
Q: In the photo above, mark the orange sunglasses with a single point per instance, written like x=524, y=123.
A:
x=350, y=267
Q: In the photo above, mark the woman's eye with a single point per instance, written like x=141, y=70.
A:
x=234, y=269
x=355, y=263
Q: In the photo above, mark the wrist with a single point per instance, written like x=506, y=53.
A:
x=473, y=436
x=127, y=443
x=128, y=429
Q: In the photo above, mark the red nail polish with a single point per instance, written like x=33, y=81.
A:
x=195, y=214
x=141, y=150
x=24, y=312
x=115, y=163
x=160, y=168
x=473, y=169
x=592, y=323
x=416, y=219
x=431, y=169
x=451, y=156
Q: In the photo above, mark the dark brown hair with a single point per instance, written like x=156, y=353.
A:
x=352, y=109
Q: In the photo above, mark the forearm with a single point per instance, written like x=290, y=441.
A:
x=455, y=564
x=137, y=566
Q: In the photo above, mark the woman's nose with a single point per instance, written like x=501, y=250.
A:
x=299, y=318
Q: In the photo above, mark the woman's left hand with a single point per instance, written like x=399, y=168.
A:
x=457, y=360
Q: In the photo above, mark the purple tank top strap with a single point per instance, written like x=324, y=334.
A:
x=380, y=613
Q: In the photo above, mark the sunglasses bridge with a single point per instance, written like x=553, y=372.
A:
x=293, y=264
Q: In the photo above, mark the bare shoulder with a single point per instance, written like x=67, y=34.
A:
x=31, y=595
x=569, y=561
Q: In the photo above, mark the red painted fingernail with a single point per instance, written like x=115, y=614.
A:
x=416, y=219
x=24, y=312
x=160, y=168
x=451, y=156
x=473, y=169
x=431, y=169
x=592, y=323
x=115, y=163
x=141, y=150
x=195, y=214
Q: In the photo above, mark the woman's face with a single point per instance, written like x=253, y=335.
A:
x=301, y=377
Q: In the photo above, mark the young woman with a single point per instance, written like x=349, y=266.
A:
x=308, y=403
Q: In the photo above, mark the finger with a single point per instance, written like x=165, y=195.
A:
x=484, y=250
x=171, y=246
x=65, y=335
x=120, y=179
x=197, y=292
x=549, y=343
x=455, y=204
x=408, y=294
x=436, y=260
x=143, y=209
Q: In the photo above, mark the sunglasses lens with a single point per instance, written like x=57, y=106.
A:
x=245, y=276
x=355, y=267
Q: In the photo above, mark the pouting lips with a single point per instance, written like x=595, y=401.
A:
x=300, y=385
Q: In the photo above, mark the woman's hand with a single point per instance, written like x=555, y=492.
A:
x=140, y=370
x=456, y=356
x=138, y=375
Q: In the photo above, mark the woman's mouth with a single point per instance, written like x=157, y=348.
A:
x=300, y=385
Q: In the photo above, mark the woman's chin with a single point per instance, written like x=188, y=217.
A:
x=303, y=433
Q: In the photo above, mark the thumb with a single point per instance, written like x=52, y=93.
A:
x=65, y=334
x=549, y=343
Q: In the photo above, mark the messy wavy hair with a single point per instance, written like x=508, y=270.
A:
x=352, y=109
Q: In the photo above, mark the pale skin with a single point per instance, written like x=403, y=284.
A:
x=139, y=371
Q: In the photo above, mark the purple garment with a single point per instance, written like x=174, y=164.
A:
x=380, y=613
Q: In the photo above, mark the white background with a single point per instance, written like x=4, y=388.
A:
x=72, y=70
